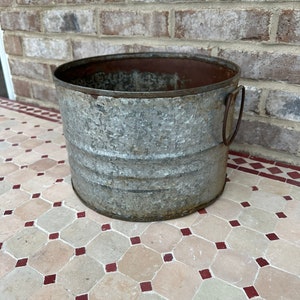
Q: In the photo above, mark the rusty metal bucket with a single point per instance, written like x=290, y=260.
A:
x=148, y=133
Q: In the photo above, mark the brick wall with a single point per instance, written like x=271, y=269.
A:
x=261, y=36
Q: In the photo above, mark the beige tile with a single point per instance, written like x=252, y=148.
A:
x=289, y=229
x=5, y=186
x=258, y=219
x=95, y=216
x=21, y=176
x=212, y=228
x=18, y=138
x=247, y=241
x=184, y=222
x=284, y=256
x=13, y=199
x=237, y=192
x=225, y=209
x=151, y=296
x=58, y=192
x=46, y=148
x=216, y=289
x=116, y=286
x=31, y=143
x=56, y=218
x=32, y=209
x=140, y=263
x=26, y=242
x=27, y=158
x=267, y=201
x=292, y=209
x=235, y=268
x=244, y=178
x=42, y=164
x=7, y=168
x=51, y=257
x=59, y=171
x=7, y=263
x=161, y=236
x=274, y=187
x=130, y=229
x=20, y=283
x=9, y=225
x=80, y=274
x=51, y=292
x=108, y=247
x=80, y=232
x=195, y=252
x=38, y=183
x=183, y=283
x=272, y=283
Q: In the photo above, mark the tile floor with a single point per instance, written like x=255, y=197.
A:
x=244, y=246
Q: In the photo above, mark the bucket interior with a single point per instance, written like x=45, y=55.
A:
x=142, y=73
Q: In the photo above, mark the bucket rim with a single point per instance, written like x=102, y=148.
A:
x=147, y=94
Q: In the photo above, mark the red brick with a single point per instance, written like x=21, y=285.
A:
x=39, y=2
x=21, y=20
x=6, y=2
x=265, y=65
x=44, y=93
x=288, y=26
x=135, y=23
x=21, y=87
x=30, y=70
x=13, y=44
x=217, y=24
x=269, y=136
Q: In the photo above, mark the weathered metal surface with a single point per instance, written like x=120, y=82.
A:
x=144, y=131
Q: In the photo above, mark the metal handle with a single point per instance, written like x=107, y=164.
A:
x=229, y=100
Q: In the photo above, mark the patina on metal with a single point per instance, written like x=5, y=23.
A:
x=147, y=133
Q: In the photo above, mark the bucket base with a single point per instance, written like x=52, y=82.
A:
x=173, y=215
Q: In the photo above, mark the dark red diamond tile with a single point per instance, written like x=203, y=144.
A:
x=294, y=175
x=28, y=150
x=48, y=142
x=8, y=212
x=63, y=146
x=16, y=186
x=80, y=251
x=146, y=286
x=221, y=245
x=61, y=162
x=40, y=174
x=202, y=211
x=271, y=176
x=1, y=178
x=54, y=236
x=105, y=227
x=36, y=195
x=1, y=245
x=234, y=223
x=8, y=159
x=239, y=161
x=20, y=132
x=254, y=188
x=168, y=257
x=49, y=279
x=82, y=297
x=275, y=170
x=248, y=170
x=21, y=262
x=232, y=166
x=287, y=198
x=262, y=262
x=33, y=137
x=205, y=274
x=2, y=140
x=281, y=215
x=272, y=236
x=245, y=204
x=111, y=267
x=24, y=167
x=227, y=179
x=81, y=214
x=57, y=204
x=251, y=292
x=135, y=240
x=257, y=166
x=44, y=156
x=293, y=182
x=186, y=231
x=50, y=129
x=59, y=180
x=29, y=223
x=15, y=144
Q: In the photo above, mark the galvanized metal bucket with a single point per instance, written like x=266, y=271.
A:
x=148, y=133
